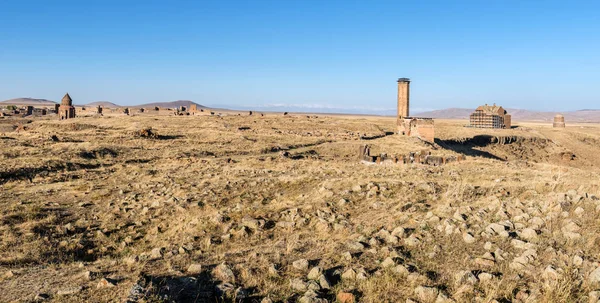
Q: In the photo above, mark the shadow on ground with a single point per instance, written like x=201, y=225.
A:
x=468, y=146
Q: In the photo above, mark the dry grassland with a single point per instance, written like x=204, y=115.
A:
x=278, y=209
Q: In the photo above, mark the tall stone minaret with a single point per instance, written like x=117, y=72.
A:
x=403, y=97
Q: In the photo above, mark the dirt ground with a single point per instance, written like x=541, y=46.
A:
x=274, y=208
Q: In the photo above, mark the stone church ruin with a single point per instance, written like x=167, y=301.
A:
x=490, y=116
x=66, y=110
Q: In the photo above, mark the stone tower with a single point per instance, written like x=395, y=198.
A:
x=403, y=98
x=66, y=109
x=559, y=121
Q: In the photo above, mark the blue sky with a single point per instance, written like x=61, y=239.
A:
x=542, y=55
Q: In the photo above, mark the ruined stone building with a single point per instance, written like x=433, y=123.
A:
x=490, y=116
x=422, y=128
x=66, y=110
x=559, y=121
x=99, y=109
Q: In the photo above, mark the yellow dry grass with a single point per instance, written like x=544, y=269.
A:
x=101, y=198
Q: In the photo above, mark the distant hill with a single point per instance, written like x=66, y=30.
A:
x=28, y=101
x=587, y=115
x=172, y=104
x=104, y=104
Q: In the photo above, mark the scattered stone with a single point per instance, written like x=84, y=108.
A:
x=577, y=261
x=314, y=273
x=497, y=229
x=356, y=246
x=487, y=260
x=194, y=269
x=484, y=277
x=301, y=264
x=324, y=282
x=105, y=283
x=69, y=291
x=487, y=246
x=41, y=297
x=156, y=253
x=349, y=274
x=402, y=270
x=426, y=294
x=594, y=276
x=225, y=288
x=273, y=272
x=298, y=285
x=551, y=273
x=224, y=273
x=130, y=260
x=347, y=256
x=345, y=297
x=468, y=238
x=398, y=232
x=388, y=262
x=528, y=234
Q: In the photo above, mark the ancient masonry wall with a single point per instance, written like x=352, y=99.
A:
x=422, y=128
x=507, y=121
x=421, y=157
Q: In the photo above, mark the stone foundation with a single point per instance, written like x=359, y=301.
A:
x=421, y=157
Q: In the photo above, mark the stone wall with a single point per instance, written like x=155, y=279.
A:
x=420, y=157
x=422, y=128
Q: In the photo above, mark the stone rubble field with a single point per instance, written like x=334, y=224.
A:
x=275, y=208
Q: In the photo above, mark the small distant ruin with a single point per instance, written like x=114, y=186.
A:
x=422, y=128
x=66, y=109
x=559, y=121
x=126, y=111
x=28, y=110
x=420, y=157
x=56, y=108
x=99, y=109
x=487, y=116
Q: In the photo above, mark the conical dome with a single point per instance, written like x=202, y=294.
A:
x=66, y=100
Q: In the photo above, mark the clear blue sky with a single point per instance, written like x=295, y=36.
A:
x=522, y=54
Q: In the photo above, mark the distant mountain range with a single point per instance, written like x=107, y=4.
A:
x=586, y=115
x=106, y=104
x=171, y=104
x=29, y=101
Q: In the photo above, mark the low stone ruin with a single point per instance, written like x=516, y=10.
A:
x=420, y=157
x=147, y=133
x=422, y=128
